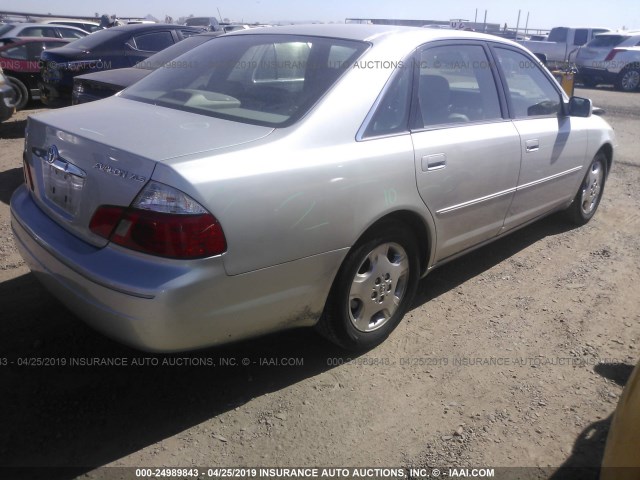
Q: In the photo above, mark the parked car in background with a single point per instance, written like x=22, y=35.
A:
x=11, y=30
x=208, y=23
x=87, y=26
x=116, y=47
x=611, y=58
x=239, y=196
x=21, y=63
x=562, y=43
x=7, y=98
x=99, y=85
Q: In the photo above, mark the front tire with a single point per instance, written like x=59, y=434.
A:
x=21, y=92
x=588, y=198
x=373, y=289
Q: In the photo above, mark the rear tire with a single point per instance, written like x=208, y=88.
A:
x=373, y=289
x=21, y=92
x=628, y=79
x=588, y=198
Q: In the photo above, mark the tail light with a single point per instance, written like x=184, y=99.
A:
x=612, y=54
x=161, y=221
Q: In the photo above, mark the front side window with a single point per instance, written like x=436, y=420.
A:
x=530, y=91
x=269, y=80
x=456, y=85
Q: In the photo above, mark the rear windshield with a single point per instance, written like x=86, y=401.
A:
x=5, y=28
x=95, y=39
x=558, y=34
x=270, y=80
x=198, y=22
x=607, y=40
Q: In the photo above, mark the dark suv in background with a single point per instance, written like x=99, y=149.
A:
x=116, y=47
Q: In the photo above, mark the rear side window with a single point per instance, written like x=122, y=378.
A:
x=153, y=42
x=531, y=92
x=38, y=32
x=392, y=112
x=456, y=85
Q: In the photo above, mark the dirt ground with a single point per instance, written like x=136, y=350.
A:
x=513, y=356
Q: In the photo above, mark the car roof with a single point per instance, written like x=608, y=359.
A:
x=71, y=20
x=629, y=33
x=18, y=40
x=33, y=24
x=139, y=27
x=369, y=33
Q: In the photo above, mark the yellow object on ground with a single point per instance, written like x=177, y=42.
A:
x=623, y=443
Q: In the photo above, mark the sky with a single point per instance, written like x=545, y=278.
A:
x=543, y=14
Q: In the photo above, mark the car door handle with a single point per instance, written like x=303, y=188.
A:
x=434, y=162
x=532, y=145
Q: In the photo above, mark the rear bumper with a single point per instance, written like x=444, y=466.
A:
x=167, y=305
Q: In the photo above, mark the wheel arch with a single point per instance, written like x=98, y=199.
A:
x=423, y=230
x=607, y=150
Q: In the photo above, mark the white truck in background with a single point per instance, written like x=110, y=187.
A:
x=561, y=44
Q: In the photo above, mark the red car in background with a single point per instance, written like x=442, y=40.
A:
x=20, y=60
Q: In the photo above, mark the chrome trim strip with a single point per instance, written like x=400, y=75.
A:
x=475, y=201
x=487, y=198
x=547, y=179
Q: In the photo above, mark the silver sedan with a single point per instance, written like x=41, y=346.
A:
x=298, y=176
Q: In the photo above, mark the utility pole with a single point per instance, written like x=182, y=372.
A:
x=518, y=25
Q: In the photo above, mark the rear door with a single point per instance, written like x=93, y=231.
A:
x=467, y=152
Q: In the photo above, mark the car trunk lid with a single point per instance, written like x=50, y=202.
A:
x=83, y=157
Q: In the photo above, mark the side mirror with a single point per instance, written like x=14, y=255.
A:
x=579, y=107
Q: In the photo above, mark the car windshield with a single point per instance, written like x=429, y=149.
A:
x=270, y=80
x=93, y=40
x=170, y=53
x=5, y=28
x=607, y=41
